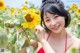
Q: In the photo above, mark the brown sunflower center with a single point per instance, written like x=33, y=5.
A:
x=79, y=10
x=29, y=18
x=1, y=4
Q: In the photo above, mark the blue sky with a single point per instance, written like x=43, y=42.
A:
x=19, y=3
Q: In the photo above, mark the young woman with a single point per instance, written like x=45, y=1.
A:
x=52, y=34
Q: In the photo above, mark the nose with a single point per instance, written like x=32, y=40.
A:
x=53, y=22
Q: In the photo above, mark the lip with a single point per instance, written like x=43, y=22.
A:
x=56, y=27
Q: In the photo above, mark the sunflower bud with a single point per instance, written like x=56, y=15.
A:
x=10, y=25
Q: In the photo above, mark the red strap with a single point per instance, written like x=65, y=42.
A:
x=42, y=51
x=65, y=44
x=48, y=36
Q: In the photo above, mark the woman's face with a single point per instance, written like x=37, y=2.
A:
x=54, y=22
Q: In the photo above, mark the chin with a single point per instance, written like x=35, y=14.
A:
x=57, y=31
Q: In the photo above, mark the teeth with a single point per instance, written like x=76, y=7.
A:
x=56, y=27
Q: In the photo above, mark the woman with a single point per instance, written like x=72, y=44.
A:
x=52, y=34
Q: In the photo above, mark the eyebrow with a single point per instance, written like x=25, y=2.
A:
x=52, y=14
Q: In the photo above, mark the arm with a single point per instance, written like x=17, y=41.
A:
x=41, y=33
x=23, y=50
x=33, y=43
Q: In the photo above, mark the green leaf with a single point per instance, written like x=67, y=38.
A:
x=12, y=49
x=3, y=38
x=20, y=18
x=12, y=39
x=2, y=24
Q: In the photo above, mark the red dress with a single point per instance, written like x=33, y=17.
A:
x=41, y=50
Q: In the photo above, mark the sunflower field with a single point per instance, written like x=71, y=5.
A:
x=17, y=26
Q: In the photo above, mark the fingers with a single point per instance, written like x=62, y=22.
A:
x=40, y=32
x=38, y=27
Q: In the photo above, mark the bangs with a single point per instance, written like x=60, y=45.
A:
x=53, y=9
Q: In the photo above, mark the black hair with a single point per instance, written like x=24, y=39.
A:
x=55, y=7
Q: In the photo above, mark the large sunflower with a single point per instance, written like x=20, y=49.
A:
x=73, y=6
x=32, y=19
x=78, y=11
x=2, y=6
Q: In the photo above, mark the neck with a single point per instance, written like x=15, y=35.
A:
x=60, y=35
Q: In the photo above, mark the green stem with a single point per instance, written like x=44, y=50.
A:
x=24, y=34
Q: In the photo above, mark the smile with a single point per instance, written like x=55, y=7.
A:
x=56, y=27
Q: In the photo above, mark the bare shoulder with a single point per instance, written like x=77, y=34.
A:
x=76, y=41
x=75, y=46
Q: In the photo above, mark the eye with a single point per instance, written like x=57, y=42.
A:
x=47, y=20
x=56, y=16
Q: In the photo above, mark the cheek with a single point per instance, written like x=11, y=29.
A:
x=47, y=24
x=62, y=21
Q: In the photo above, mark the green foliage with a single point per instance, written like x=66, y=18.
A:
x=3, y=38
x=73, y=50
x=20, y=18
x=74, y=27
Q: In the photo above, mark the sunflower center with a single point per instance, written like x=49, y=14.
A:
x=1, y=4
x=79, y=10
x=29, y=18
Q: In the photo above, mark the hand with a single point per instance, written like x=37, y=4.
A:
x=34, y=44
x=40, y=32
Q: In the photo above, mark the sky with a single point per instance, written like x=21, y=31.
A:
x=19, y=3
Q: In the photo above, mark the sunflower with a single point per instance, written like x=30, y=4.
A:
x=32, y=19
x=2, y=6
x=12, y=11
x=24, y=8
x=18, y=12
x=25, y=1
x=73, y=6
x=31, y=10
x=78, y=11
x=37, y=12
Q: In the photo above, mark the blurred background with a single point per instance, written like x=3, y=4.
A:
x=18, y=4
x=19, y=17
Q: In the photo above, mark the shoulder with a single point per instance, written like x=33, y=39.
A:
x=76, y=41
x=75, y=45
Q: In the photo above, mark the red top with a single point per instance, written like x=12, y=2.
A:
x=41, y=50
